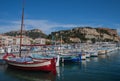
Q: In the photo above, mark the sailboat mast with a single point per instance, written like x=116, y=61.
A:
x=21, y=31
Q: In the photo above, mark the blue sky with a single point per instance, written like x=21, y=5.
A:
x=54, y=15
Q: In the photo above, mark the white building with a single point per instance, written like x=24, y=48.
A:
x=40, y=40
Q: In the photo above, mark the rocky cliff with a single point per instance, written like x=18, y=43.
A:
x=85, y=34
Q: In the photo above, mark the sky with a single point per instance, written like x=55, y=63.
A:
x=55, y=15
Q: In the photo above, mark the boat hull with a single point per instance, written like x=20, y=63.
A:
x=34, y=65
x=47, y=66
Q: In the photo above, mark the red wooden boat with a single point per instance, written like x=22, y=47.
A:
x=28, y=63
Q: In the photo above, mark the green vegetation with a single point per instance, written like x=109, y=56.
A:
x=32, y=34
x=102, y=31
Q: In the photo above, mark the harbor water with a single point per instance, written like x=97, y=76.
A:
x=105, y=67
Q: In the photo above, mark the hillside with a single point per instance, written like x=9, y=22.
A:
x=34, y=33
x=79, y=34
x=83, y=34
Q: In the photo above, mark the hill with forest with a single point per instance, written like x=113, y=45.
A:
x=34, y=33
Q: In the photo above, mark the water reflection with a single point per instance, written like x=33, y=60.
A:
x=73, y=66
x=88, y=59
x=30, y=76
x=94, y=59
x=102, y=56
x=68, y=69
x=3, y=67
x=2, y=62
x=58, y=71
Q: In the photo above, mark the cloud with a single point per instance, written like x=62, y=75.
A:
x=118, y=30
x=47, y=26
x=9, y=27
x=44, y=25
x=117, y=26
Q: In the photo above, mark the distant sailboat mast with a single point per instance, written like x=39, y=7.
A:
x=21, y=31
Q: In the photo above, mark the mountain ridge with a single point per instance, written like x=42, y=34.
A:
x=77, y=34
